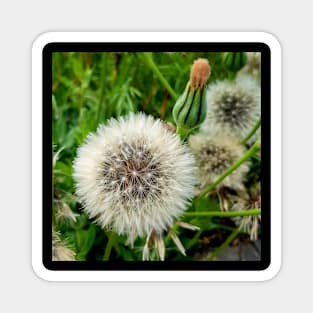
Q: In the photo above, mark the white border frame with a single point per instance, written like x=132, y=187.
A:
x=209, y=275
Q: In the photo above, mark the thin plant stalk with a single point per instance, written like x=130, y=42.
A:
x=224, y=245
x=159, y=75
x=224, y=214
x=194, y=240
x=102, y=87
x=252, y=132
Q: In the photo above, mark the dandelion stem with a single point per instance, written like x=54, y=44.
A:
x=224, y=245
x=158, y=74
x=225, y=214
x=108, y=248
x=182, y=132
x=254, y=148
x=194, y=240
x=251, y=133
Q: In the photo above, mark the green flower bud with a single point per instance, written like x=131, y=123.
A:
x=190, y=109
x=234, y=61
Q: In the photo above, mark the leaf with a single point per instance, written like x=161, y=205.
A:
x=85, y=240
x=206, y=204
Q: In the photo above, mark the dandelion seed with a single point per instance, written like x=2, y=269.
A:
x=149, y=192
x=187, y=225
x=159, y=246
x=146, y=251
x=178, y=243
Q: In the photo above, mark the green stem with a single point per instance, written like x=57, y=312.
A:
x=158, y=74
x=194, y=240
x=108, y=248
x=253, y=149
x=224, y=245
x=182, y=132
x=225, y=214
x=251, y=133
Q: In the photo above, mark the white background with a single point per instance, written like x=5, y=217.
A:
x=21, y=22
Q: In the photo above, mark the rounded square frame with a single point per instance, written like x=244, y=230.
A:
x=37, y=161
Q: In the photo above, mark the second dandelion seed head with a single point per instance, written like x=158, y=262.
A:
x=214, y=155
x=233, y=107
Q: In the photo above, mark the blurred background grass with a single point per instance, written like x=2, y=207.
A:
x=88, y=89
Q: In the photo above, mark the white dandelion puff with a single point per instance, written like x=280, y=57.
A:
x=233, y=107
x=214, y=155
x=135, y=177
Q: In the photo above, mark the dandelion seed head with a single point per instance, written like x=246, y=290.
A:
x=216, y=154
x=134, y=176
x=233, y=107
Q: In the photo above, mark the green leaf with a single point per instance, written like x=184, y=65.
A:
x=85, y=240
x=206, y=204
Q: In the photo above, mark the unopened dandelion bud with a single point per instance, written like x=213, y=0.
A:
x=234, y=61
x=190, y=109
x=200, y=73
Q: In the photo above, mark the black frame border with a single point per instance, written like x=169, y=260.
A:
x=157, y=47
